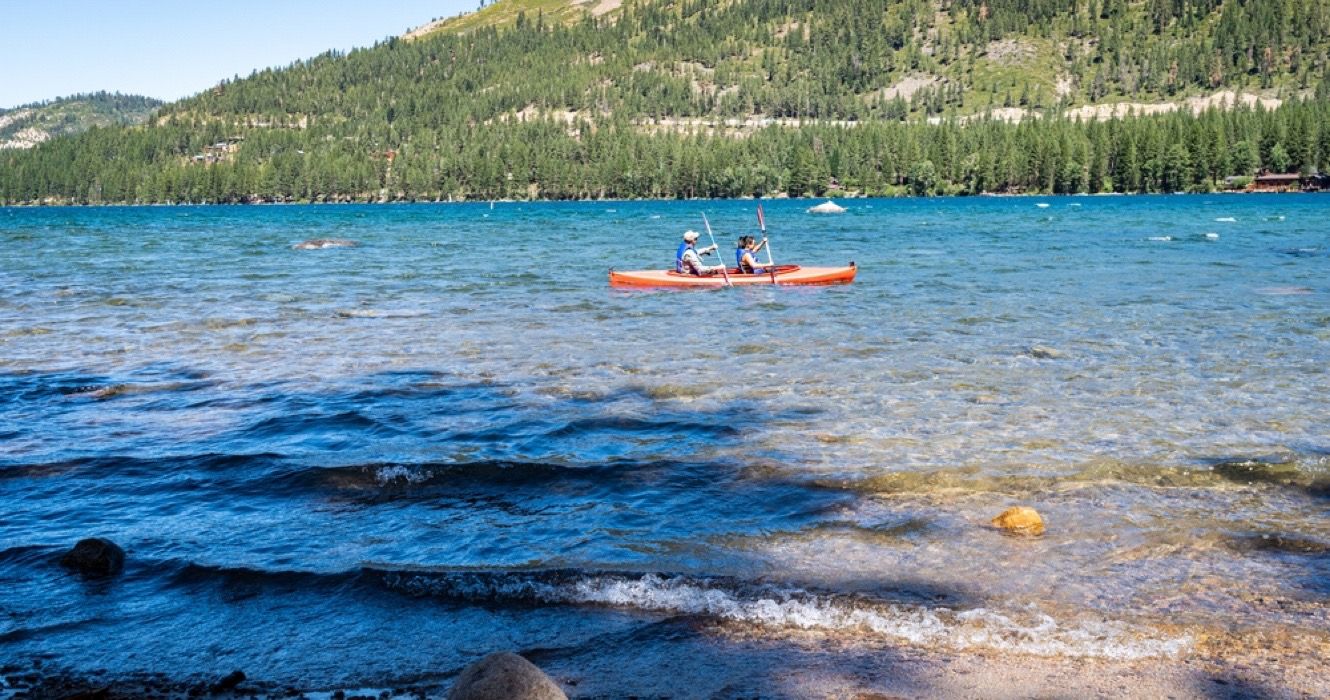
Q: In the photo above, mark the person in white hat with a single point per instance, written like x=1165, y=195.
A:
x=688, y=259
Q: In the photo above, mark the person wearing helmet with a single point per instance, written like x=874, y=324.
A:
x=688, y=258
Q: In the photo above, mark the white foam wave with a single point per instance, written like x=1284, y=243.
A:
x=1284, y=291
x=1226, y=219
x=1029, y=631
x=1160, y=238
x=398, y=474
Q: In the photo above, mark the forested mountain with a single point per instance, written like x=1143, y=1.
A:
x=27, y=125
x=666, y=98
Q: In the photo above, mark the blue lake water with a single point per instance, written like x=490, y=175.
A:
x=457, y=432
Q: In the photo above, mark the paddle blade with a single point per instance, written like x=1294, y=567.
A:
x=761, y=220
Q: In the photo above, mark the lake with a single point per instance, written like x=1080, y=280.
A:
x=372, y=465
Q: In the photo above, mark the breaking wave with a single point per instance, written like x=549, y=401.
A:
x=772, y=606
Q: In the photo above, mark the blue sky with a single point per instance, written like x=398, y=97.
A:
x=172, y=48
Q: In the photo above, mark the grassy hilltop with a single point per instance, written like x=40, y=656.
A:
x=588, y=98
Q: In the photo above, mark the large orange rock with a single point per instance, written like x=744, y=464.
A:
x=1020, y=520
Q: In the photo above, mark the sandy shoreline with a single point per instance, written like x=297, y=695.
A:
x=819, y=667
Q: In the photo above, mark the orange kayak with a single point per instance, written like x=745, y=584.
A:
x=785, y=274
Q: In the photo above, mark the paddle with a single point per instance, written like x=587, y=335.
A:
x=723, y=269
x=762, y=224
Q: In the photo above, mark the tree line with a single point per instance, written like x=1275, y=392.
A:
x=486, y=115
x=616, y=159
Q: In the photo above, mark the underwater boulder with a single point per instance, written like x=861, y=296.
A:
x=1020, y=520
x=1277, y=469
x=95, y=556
x=1043, y=352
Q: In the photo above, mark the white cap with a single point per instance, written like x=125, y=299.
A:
x=690, y=236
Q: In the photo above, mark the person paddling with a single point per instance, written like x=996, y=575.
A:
x=745, y=257
x=688, y=259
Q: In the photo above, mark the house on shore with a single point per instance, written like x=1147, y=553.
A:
x=1276, y=182
x=1288, y=182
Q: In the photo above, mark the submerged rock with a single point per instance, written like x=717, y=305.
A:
x=1043, y=352
x=321, y=243
x=1278, y=542
x=228, y=682
x=1269, y=469
x=504, y=676
x=95, y=557
x=1020, y=520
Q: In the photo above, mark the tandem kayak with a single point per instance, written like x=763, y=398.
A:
x=785, y=274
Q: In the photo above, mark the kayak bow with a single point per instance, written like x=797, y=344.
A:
x=784, y=275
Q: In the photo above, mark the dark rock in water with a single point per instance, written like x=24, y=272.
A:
x=1267, y=469
x=1279, y=542
x=95, y=557
x=229, y=682
x=322, y=243
x=1043, y=352
x=504, y=676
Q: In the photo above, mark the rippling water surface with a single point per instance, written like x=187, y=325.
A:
x=456, y=433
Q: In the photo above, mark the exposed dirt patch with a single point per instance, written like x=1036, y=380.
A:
x=1224, y=99
x=907, y=86
x=1010, y=51
x=1064, y=86
x=686, y=67
x=534, y=113
x=16, y=115
x=604, y=6
x=25, y=138
x=425, y=29
x=1009, y=114
x=785, y=29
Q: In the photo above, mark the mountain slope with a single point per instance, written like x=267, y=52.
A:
x=690, y=98
x=837, y=59
x=28, y=125
x=505, y=12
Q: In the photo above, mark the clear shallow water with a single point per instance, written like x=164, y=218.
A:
x=456, y=429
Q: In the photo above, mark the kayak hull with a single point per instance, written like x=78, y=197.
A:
x=792, y=275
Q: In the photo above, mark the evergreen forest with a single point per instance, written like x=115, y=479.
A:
x=696, y=98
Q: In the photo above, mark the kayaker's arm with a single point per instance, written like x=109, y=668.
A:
x=752, y=263
x=691, y=261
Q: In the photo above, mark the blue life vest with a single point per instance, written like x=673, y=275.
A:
x=678, y=257
x=739, y=263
